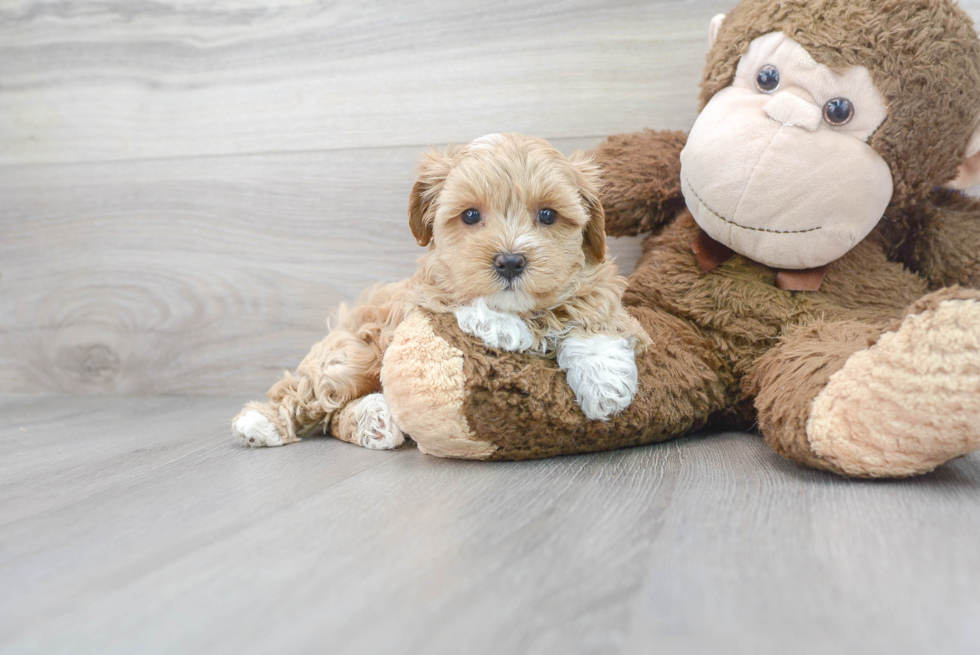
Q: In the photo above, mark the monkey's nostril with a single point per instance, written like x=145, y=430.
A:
x=509, y=265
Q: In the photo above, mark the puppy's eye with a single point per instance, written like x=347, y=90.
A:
x=547, y=216
x=767, y=79
x=470, y=217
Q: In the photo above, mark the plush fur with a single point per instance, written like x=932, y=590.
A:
x=873, y=375
x=566, y=290
x=923, y=55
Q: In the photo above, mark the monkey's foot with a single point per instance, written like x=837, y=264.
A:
x=908, y=403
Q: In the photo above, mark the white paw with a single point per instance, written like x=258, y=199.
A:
x=602, y=372
x=255, y=430
x=497, y=329
x=376, y=428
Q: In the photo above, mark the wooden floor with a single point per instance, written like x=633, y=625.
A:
x=135, y=525
x=188, y=189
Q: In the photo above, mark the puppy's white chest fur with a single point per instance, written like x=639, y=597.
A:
x=600, y=369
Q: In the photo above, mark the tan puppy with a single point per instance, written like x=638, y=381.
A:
x=516, y=248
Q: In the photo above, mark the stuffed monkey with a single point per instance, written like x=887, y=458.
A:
x=811, y=268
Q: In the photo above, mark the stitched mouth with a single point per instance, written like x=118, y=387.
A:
x=694, y=193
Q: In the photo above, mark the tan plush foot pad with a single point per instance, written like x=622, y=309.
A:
x=423, y=373
x=910, y=402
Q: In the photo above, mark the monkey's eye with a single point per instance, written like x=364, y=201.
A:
x=838, y=111
x=547, y=216
x=767, y=80
x=470, y=217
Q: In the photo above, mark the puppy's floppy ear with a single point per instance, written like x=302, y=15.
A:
x=433, y=169
x=589, y=182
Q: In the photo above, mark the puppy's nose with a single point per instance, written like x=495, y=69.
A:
x=509, y=265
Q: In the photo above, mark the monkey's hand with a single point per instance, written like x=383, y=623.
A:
x=641, y=175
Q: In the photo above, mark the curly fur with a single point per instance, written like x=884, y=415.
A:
x=566, y=289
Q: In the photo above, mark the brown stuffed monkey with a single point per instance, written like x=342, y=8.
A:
x=810, y=269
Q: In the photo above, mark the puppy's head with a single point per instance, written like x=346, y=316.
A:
x=510, y=219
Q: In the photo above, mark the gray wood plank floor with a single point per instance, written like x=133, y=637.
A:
x=135, y=525
x=189, y=189
x=109, y=80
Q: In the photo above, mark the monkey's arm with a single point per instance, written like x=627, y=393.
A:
x=458, y=398
x=945, y=249
x=641, y=175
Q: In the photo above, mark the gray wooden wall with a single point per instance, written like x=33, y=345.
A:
x=188, y=188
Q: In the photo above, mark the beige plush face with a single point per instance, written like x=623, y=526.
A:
x=511, y=220
x=777, y=166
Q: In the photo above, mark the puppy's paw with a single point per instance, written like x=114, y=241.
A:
x=375, y=428
x=496, y=329
x=602, y=372
x=255, y=430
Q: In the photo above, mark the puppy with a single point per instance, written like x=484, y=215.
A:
x=516, y=249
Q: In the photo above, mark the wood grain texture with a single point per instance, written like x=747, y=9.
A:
x=134, y=79
x=187, y=190
x=135, y=525
x=204, y=275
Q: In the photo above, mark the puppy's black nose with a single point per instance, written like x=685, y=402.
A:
x=509, y=265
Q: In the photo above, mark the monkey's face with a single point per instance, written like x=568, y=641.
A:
x=777, y=166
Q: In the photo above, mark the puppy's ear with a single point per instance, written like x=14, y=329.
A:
x=589, y=182
x=433, y=169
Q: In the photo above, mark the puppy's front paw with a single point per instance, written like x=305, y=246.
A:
x=255, y=430
x=496, y=329
x=602, y=372
x=375, y=428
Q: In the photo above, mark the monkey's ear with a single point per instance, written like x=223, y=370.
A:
x=969, y=173
x=589, y=182
x=714, y=29
x=433, y=169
